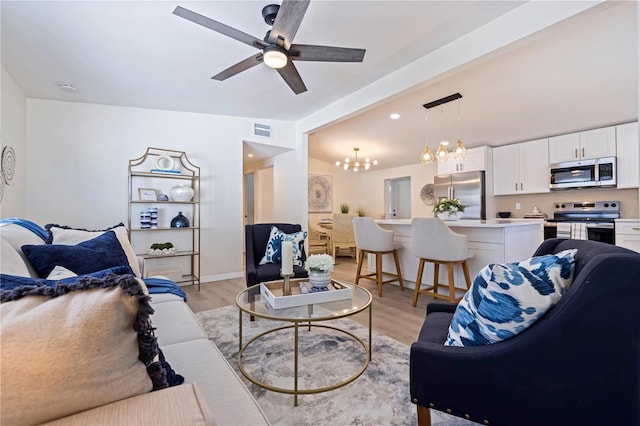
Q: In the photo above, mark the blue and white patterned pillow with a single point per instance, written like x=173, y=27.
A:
x=505, y=299
x=274, y=246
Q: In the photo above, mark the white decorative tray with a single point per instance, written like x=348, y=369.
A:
x=272, y=291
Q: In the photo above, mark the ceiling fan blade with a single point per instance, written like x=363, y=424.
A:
x=288, y=21
x=308, y=52
x=291, y=76
x=219, y=27
x=251, y=61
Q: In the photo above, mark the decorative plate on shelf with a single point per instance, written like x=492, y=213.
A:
x=426, y=194
x=8, y=164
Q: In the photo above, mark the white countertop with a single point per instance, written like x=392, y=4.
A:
x=627, y=220
x=470, y=223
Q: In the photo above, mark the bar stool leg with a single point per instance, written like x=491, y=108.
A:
x=397, y=260
x=360, y=262
x=379, y=273
x=436, y=273
x=418, y=282
x=467, y=277
x=452, y=287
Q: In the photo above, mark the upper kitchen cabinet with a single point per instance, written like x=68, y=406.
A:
x=594, y=143
x=476, y=159
x=521, y=168
x=628, y=155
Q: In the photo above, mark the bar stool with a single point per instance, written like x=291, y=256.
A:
x=372, y=239
x=434, y=242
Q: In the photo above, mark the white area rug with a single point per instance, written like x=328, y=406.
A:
x=380, y=396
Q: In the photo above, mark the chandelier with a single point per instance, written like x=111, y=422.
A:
x=356, y=164
x=442, y=153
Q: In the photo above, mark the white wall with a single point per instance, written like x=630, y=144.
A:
x=77, y=169
x=366, y=190
x=13, y=133
x=372, y=188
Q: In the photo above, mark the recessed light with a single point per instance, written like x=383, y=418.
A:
x=67, y=88
x=249, y=155
x=394, y=116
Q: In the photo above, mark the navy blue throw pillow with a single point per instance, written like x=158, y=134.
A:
x=97, y=254
x=9, y=282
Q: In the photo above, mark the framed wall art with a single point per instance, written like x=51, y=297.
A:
x=320, y=193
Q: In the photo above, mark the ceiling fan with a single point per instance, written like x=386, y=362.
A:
x=277, y=49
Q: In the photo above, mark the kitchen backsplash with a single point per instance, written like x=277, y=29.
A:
x=629, y=208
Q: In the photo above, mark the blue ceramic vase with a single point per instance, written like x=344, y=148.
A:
x=180, y=221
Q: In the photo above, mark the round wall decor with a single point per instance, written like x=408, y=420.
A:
x=426, y=194
x=8, y=164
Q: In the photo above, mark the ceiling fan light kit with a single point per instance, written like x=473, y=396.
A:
x=442, y=154
x=278, y=52
x=274, y=57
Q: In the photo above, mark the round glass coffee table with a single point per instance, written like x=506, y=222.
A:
x=252, y=302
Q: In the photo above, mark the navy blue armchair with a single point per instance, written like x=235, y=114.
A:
x=577, y=365
x=256, y=239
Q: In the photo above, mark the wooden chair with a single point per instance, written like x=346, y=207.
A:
x=342, y=236
x=318, y=241
x=371, y=239
x=434, y=242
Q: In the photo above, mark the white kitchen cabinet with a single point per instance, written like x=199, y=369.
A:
x=596, y=143
x=521, y=168
x=628, y=153
x=476, y=159
x=628, y=234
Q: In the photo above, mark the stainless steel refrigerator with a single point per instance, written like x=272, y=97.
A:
x=467, y=187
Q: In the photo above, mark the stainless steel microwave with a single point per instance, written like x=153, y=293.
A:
x=584, y=173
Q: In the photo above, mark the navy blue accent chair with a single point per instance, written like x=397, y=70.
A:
x=577, y=365
x=256, y=239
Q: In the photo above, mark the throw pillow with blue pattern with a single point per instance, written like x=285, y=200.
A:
x=505, y=299
x=274, y=246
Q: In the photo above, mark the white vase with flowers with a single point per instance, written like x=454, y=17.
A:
x=319, y=267
x=449, y=209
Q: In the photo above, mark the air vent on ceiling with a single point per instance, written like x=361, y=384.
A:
x=262, y=130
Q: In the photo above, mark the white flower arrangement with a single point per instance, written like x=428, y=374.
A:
x=319, y=263
x=449, y=205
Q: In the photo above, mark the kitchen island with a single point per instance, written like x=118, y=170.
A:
x=490, y=241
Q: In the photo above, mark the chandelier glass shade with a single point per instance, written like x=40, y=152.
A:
x=356, y=164
x=442, y=153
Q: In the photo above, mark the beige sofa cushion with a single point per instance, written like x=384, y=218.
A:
x=175, y=322
x=75, y=351
x=177, y=406
x=201, y=362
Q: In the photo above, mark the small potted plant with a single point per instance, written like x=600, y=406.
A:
x=448, y=209
x=157, y=249
x=344, y=208
x=319, y=267
x=361, y=212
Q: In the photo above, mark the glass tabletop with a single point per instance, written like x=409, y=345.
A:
x=253, y=302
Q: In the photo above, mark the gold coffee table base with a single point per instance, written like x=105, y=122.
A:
x=295, y=391
x=250, y=301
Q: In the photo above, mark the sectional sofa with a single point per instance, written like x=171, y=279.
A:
x=54, y=390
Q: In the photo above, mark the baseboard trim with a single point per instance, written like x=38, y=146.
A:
x=222, y=277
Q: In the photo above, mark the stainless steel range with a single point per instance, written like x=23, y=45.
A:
x=598, y=218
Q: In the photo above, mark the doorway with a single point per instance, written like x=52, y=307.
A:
x=397, y=197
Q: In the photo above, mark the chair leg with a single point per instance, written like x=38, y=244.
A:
x=379, y=273
x=360, y=262
x=418, y=282
x=467, y=277
x=452, y=288
x=436, y=276
x=395, y=258
x=424, y=416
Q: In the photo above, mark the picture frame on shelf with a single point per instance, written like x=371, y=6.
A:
x=147, y=194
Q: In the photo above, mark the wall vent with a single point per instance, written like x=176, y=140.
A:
x=262, y=130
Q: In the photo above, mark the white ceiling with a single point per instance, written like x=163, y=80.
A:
x=579, y=73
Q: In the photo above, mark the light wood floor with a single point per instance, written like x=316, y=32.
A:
x=392, y=313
